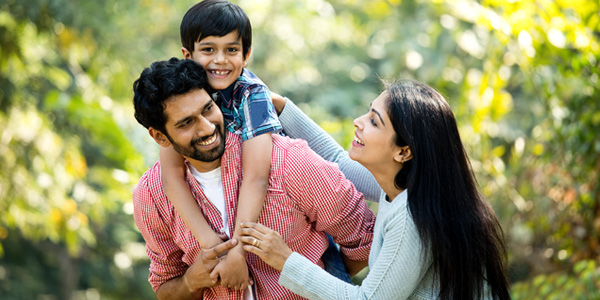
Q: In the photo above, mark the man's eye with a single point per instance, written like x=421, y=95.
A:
x=184, y=123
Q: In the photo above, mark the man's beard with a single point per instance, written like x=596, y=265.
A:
x=206, y=155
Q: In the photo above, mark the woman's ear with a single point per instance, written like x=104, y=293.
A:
x=403, y=155
x=159, y=137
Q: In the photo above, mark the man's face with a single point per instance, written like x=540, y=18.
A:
x=221, y=56
x=195, y=128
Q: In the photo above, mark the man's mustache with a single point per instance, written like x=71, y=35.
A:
x=202, y=139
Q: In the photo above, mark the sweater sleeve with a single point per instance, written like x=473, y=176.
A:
x=395, y=273
x=297, y=124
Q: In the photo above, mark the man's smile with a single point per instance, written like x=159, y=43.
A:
x=207, y=141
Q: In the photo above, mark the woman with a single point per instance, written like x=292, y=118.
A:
x=435, y=236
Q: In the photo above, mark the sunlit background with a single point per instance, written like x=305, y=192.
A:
x=521, y=77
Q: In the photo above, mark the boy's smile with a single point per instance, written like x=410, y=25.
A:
x=221, y=56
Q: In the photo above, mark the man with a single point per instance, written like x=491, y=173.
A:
x=307, y=197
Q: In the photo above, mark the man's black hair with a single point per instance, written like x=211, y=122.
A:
x=159, y=82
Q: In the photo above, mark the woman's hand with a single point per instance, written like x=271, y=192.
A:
x=266, y=243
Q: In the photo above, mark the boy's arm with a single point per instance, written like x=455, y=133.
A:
x=178, y=192
x=256, y=166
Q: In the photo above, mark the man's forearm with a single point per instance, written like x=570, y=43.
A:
x=353, y=266
x=177, y=288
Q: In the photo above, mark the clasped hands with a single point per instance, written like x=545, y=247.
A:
x=225, y=263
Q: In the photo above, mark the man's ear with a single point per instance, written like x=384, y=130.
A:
x=403, y=155
x=186, y=53
x=159, y=137
x=247, y=57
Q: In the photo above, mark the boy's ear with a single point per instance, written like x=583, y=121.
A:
x=186, y=53
x=159, y=137
x=403, y=155
x=247, y=57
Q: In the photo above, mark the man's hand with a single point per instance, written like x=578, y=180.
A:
x=353, y=266
x=197, y=276
x=233, y=270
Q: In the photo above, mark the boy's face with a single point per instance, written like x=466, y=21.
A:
x=222, y=58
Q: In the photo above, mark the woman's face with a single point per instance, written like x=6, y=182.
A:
x=373, y=145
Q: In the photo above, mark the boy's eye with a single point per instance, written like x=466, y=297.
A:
x=232, y=50
x=207, y=49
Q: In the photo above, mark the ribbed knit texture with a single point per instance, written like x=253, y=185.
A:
x=397, y=268
x=297, y=125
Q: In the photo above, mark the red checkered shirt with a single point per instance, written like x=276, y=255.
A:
x=306, y=197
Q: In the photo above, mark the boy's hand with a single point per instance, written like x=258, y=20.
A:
x=233, y=270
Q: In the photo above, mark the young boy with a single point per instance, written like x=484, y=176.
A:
x=217, y=34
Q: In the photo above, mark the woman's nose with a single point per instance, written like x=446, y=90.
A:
x=357, y=123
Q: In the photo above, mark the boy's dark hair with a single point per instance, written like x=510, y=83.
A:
x=215, y=18
x=159, y=82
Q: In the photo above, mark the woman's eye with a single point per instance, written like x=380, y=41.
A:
x=373, y=122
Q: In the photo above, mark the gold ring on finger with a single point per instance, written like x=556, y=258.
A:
x=255, y=243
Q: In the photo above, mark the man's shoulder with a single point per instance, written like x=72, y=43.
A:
x=296, y=152
x=286, y=143
x=148, y=185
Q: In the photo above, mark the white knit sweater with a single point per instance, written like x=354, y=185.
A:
x=398, y=266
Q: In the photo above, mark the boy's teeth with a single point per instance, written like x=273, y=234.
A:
x=220, y=72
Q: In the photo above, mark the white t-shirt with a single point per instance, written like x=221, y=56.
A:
x=212, y=186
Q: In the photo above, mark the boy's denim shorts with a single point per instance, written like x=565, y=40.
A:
x=333, y=262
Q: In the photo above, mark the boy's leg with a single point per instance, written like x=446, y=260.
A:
x=333, y=262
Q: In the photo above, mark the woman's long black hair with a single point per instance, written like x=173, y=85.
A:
x=454, y=221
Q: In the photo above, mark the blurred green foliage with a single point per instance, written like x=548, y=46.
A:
x=521, y=76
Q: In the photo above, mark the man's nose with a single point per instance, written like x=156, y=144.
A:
x=205, y=127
